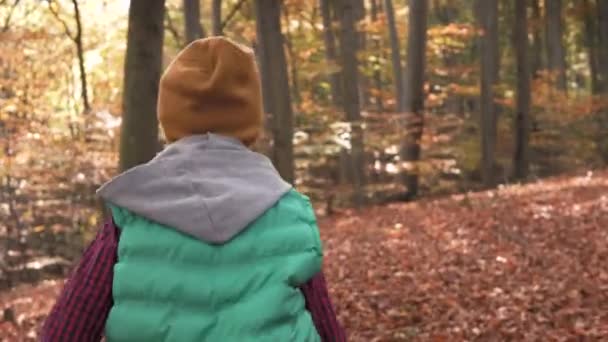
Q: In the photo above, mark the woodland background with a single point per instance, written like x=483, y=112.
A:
x=369, y=102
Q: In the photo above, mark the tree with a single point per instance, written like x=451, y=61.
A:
x=331, y=52
x=139, y=134
x=376, y=64
x=293, y=61
x=275, y=82
x=489, y=42
x=218, y=29
x=556, y=55
x=235, y=9
x=395, y=55
x=77, y=39
x=537, y=41
x=348, y=44
x=592, y=43
x=414, y=93
x=80, y=52
x=602, y=79
x=192, y=21
x=7, y=20
x=447, y=13
x=602, y=7
x=359, y=13
x=521, y=127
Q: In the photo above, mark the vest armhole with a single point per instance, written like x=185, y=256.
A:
x=119, y=215
x=311, y=218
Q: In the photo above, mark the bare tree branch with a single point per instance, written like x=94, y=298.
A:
x=232, y=13
x=169, y=25
x=80, y=51
x=57, y=16
x=9, y=16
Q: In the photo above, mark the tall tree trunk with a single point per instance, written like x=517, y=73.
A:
x=602, y=86
x=139, y=135
x=77, y=39
x=414, y=94
x=364, y=81
x=80, y=51
x=592, y=43
x=445, y=10
x=395, y=55
x=602, y=6
x=330, y=52
x=218, y=30
x=556, y=55
x=192, y=21
x=488, y=17
x=447, y=13
x=292, y=62
x=359, y=13
x=537, y=40
x=275, y=83
x=348, y=43
x=377, y=66
x=521, y=157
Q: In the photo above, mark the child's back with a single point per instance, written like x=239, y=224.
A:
x=214, y=245
x=260, y=243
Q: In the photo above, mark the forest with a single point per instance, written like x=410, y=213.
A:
x=455, y=151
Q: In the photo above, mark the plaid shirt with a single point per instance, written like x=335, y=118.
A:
x=82, y=308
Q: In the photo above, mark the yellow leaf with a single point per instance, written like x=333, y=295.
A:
x=93, y=220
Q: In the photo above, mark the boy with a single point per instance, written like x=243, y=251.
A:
x=206, y=242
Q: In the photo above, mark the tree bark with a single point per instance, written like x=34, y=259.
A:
x=364, y=81
x=398, y=79
x=556, y=55
x=445, y=10
x=602, y=7
x=376, y=66
x=275, y=81
x=348, y=43
x=447, y=13
x=602, y=86
x=414, y=94
x=218, y=29
x=77, y=39
x=592, y=43
x=192, y=21
x=488, y=17
x=80, y=51
x=139, y=135
x=521, y=157
x=537, y=40
x=292, y=63
x=330, y=52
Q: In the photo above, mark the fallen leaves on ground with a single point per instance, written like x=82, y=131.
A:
x=521, y=263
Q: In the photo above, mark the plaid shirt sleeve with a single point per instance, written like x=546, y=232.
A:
x=321, y=309
x=82, y=308
x=81, y=311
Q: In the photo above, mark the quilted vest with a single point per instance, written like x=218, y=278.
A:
x=172, y=287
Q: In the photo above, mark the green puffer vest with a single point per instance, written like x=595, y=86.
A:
x=172, y=287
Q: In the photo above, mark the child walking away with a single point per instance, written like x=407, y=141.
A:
x=206, y=241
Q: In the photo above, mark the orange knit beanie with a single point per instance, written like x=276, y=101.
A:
x=212, y=86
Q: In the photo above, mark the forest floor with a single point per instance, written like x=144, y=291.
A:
x=520, y=263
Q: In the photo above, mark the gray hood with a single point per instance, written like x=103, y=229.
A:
x=207, y=186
